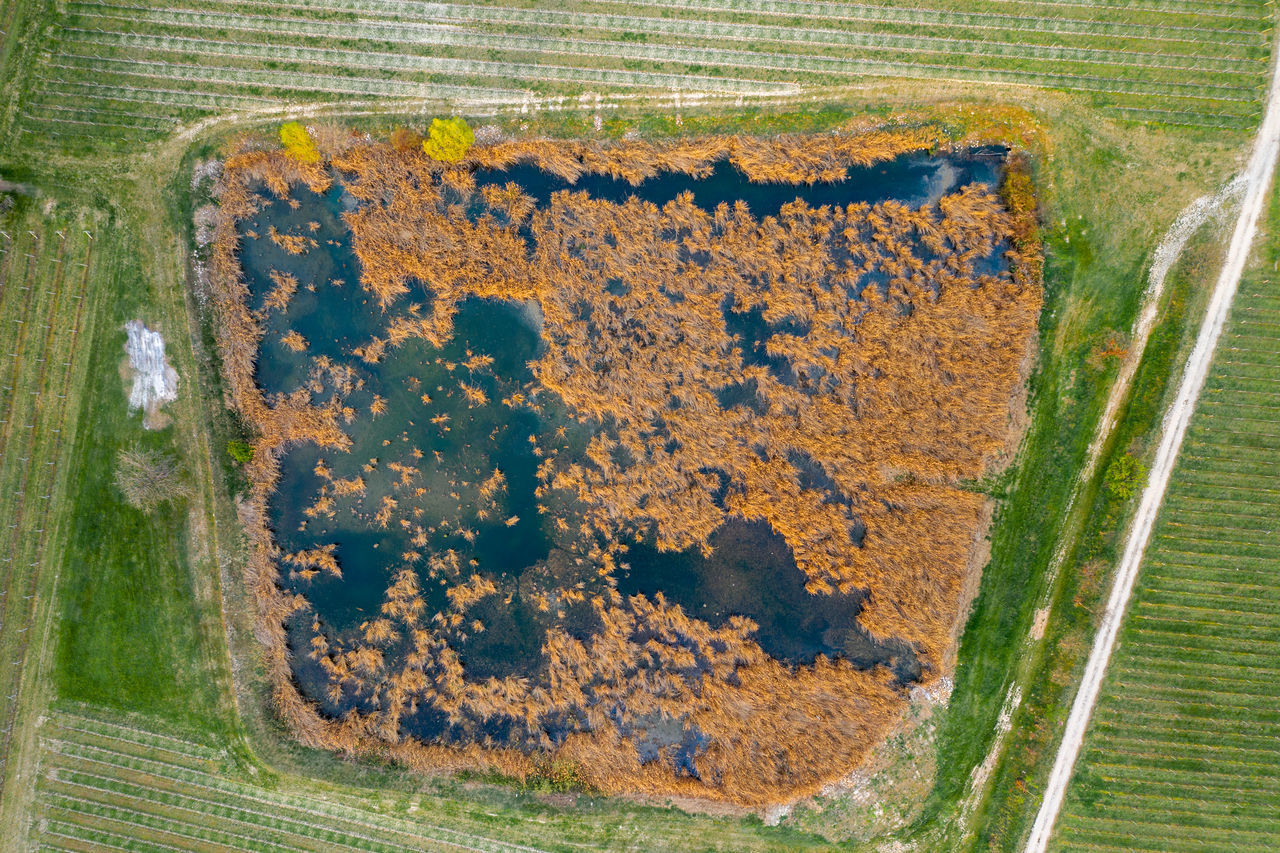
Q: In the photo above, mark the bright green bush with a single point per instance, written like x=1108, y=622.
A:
x=448, y=139
x=240, y=451
x=1123, y=477
x=298, y=142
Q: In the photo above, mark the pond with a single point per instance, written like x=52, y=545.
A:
x=442, y=477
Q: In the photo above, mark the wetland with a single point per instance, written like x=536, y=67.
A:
x=657, y=473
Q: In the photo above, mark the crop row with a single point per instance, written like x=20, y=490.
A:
x=1201, y=447
x=1155, y=772
x=1165, y=7
x=1177, y=744
x=1200, y=568
x=1183, y=835
x=1161, y=11
x=1185, y=587
x=88, y=89
x=804, y=9
x=1208, y=519
x=1182, y=752
x=1185, y=117
x=1236, y=26
x=1155, y=723
x=1171, y=784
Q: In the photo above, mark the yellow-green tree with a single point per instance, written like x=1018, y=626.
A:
x=298, y=142
x=449, y=139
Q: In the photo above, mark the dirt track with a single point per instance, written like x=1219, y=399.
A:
x=1257, y=175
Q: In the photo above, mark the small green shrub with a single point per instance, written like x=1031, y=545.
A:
x=555, y=775
x=240, y=451
x=1123, y=477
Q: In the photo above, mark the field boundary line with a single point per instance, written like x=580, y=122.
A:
x=1259, y=174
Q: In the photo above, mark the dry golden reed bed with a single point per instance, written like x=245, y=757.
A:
x=897, y=394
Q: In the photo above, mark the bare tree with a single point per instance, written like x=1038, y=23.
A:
x=149, y=478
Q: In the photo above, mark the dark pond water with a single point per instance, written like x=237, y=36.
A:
x=453, y=445
x=912, y=180
x=334, y=319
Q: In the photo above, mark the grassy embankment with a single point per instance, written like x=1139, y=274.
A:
x=1097, y=524
x=1181, y=753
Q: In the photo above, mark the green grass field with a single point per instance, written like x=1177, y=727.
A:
x=121, y=72
x=1182, y=751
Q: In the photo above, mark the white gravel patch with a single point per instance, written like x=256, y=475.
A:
x=155, y=382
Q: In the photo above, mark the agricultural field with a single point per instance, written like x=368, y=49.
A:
x=111, y=784
x=45, y=268
x=1182, y=750
x=120, y=73
x=109, y=780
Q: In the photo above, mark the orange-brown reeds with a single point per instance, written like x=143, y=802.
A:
x=893, y=353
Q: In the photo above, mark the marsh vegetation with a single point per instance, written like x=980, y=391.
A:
x=633, y=474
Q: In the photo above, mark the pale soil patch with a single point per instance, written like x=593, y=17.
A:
x=1041, y=621
x=205, y=170
x=204, y=219
x=155, y=382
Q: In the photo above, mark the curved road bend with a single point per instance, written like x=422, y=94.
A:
x=1258, y=175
